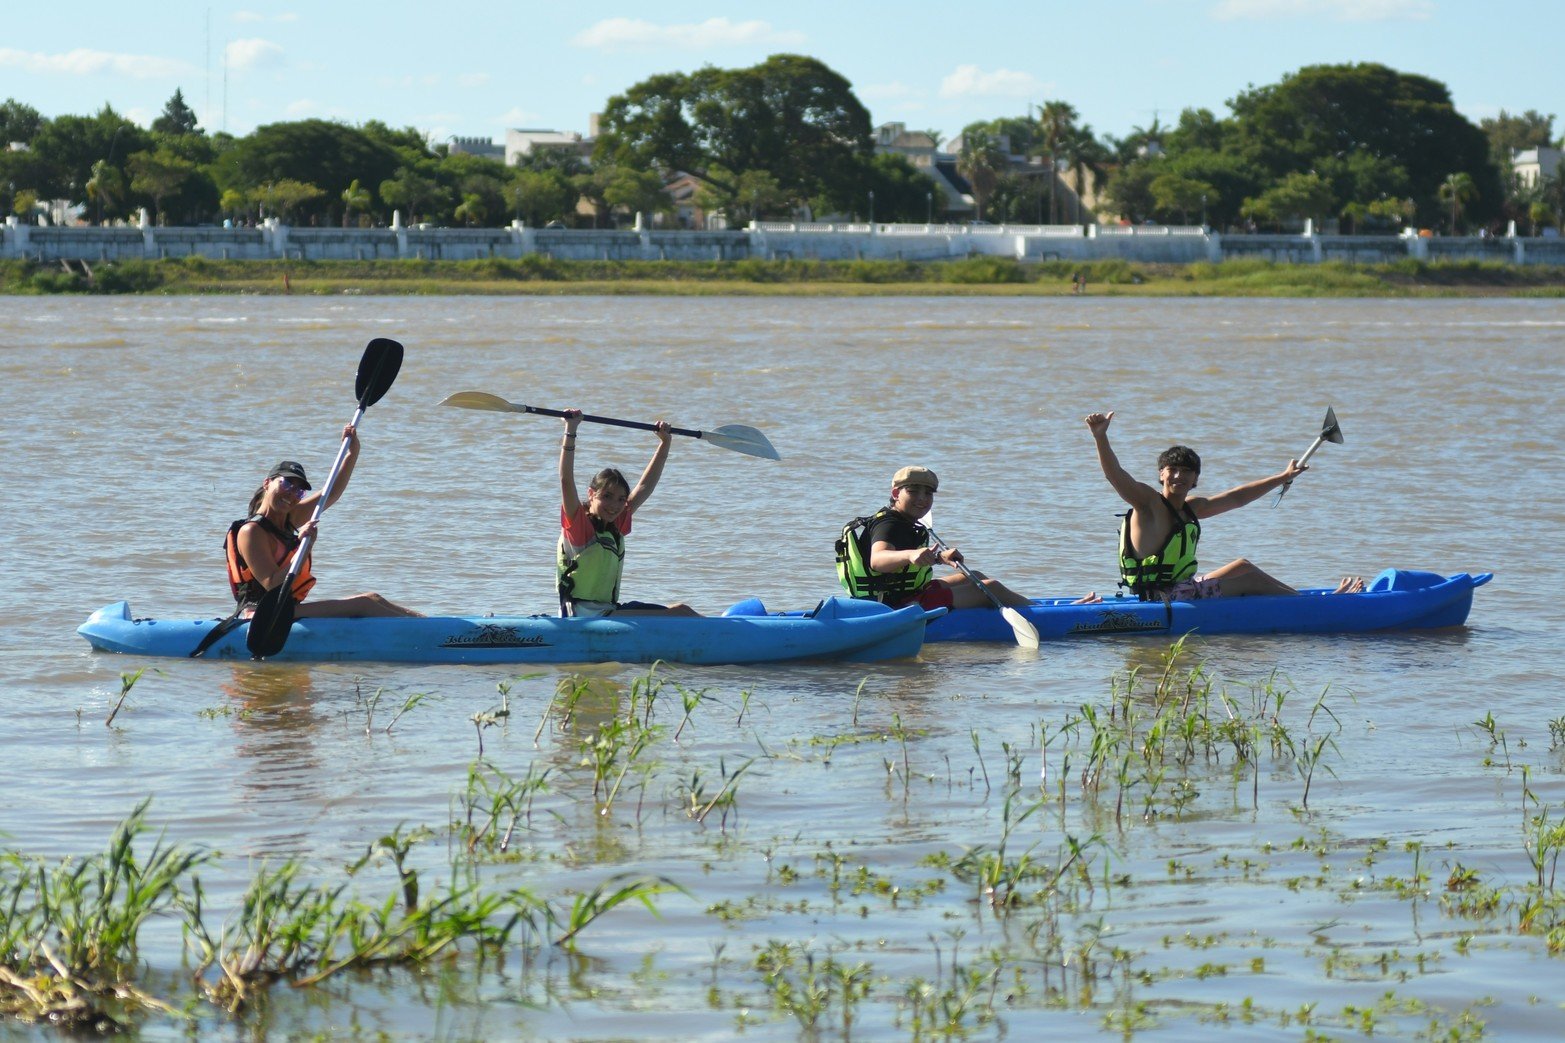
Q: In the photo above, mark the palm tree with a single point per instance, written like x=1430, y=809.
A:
x=1084, y=155
x=981, y=162
x=1458, y=190
x=354, y=197
x=1055, y=121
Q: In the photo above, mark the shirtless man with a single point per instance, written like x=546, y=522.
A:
x=1159, y=534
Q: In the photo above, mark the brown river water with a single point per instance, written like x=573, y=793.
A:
x=136, y=429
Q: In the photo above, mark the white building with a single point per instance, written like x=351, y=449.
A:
x=1532, y=164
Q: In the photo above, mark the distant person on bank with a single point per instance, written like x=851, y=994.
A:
x=1158, y=535
x=591, y=552
x=260, y=547
x=887, y=556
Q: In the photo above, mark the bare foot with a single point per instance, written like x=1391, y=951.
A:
x=1092, y=598
x=1350, y=585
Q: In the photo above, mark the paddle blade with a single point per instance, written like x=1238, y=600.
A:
x=378, y=367
x=1330, y=430
x=272, y=620
x=1021, y=626
x=481, y=400
x=741, y=439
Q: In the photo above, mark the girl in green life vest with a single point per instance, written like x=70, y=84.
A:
x=591, y=551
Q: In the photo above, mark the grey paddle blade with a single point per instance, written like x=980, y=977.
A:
x=481, y=400
x=1331, y=431
x=741, y=439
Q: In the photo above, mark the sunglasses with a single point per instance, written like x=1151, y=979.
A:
x=291, y=483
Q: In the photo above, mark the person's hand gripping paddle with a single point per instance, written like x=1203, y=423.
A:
x=274, y=615
x=1026, y=633
x=1330, y=431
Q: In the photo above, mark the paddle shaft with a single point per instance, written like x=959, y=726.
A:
x=964, y=570
x=1320, y=440
x=640, y=425
x=320, y=505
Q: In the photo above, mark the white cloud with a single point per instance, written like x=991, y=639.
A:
x=618, y=34
x=969, y=81
x=302, y=107
x=84, y=62
x=252, y=53
x=1337, y=10
x=473, y=79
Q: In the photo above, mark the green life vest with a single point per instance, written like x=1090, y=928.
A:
x=1175, y=560
x=591, y=573
x=860, y=580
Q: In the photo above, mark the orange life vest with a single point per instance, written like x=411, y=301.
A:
x=242, y=582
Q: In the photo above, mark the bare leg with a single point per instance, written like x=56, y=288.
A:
x=1350, y=585
x=1092, y=597
x=360, y=606
x=965, y=593
x=1240, y=578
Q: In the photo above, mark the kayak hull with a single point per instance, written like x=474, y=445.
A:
x=839, y=628
x=1397, y=599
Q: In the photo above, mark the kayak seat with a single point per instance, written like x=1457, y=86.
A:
x=1404, y=579
x=747, y=607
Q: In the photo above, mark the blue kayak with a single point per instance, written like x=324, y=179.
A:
x=838, y=628
x=1397, y=599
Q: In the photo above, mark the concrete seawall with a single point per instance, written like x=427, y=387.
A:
x=766, y=241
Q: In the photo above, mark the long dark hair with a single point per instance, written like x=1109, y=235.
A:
x=606, y=477
x=255, y=501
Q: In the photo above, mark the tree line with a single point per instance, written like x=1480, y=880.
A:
x=1362, y=144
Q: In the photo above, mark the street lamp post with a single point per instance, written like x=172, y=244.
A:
x=929, y=208
x=872, y=210
x=1203, y=209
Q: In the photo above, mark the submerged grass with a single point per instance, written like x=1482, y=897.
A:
x=1021, y=892
x=537, y=274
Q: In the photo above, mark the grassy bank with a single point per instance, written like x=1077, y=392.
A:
x=968, y=276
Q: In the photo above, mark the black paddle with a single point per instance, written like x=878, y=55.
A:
x=274, y=615
x=1330, y=431
x=738, y=437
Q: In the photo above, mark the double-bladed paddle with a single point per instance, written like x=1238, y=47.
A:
x=738, y=437
x=274, y=615
x=1330, y=431
x=1026, y=633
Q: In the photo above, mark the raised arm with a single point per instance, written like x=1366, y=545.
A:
x=303, y=510
x=654, y=469
x=570, y=502
x=1239, y=495
x=1137, y=494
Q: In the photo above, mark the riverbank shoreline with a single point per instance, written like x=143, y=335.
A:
x=968, y=277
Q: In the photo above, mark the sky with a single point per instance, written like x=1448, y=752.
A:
x=479, y=67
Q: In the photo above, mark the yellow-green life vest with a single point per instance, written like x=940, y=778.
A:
x=1175, y=560
x=861, y=581
x=591, y=573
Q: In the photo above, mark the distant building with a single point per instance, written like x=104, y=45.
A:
x=952, y=194
x=477, y=147
x=1534, y=164
x=524, y=142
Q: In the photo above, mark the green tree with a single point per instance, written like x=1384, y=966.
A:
x=106, y=190
x=284, y=197
x=24, y=203
x=1541, y=214
x=159, y=175
x=18, y=122
x=791, y=116
x=755, y=193
x=355, y=199
x=540, y=196
x=234, y=202
x=1331, y=112
x=1056, y=119
x=1087, y=160
x=637, y=192
x=1297, y=197
x=1457, y=191
x=1510, y=132
x=177, y=117
x=67, y=148
x=471, y=210
x=413, y=193
x=982, y=163
x=327, y=155
x=1172, y=191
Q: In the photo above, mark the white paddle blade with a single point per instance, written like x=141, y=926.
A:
x=741, y=439
x=1026, y=633
x=481, y=400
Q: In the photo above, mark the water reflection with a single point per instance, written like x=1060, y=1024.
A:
x=276, y=724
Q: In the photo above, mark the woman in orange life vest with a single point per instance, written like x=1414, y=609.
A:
x=260, y=547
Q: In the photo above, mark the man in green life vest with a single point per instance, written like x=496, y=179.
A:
x=1158, y=536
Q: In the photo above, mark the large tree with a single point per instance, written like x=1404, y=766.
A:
x=791, y=116
x=1331, y=112
x=177, y=117
x=330, y=156
x=68, y=148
